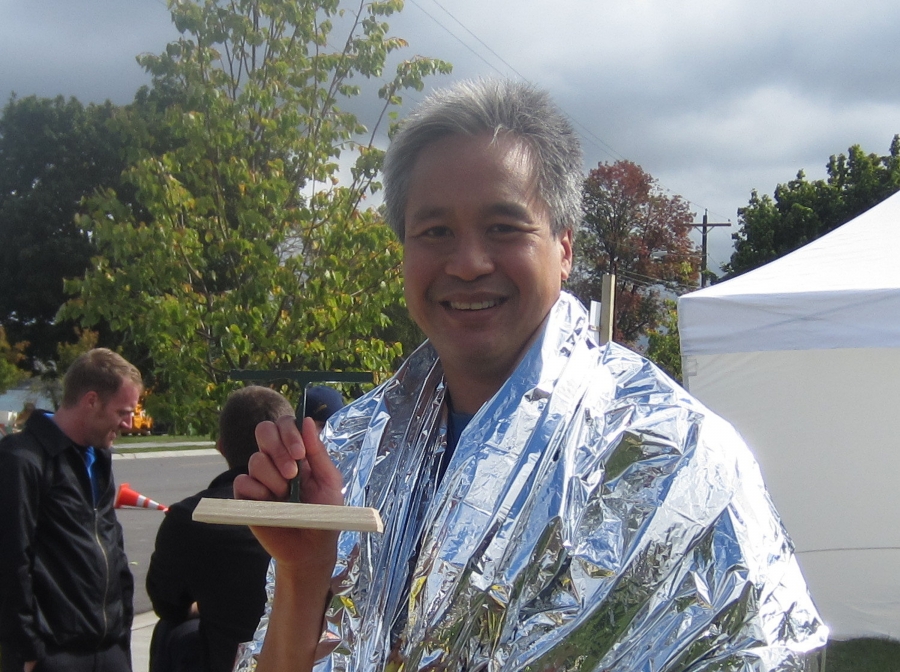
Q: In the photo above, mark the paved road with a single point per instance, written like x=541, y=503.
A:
x=166, y=477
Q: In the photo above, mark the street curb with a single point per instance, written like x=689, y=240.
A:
x=133, y=455
x=141, y=635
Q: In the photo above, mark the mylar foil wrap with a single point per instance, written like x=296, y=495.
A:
x=594, y=516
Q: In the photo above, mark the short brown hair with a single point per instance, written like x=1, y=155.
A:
x=243, y=411
x=99, y=370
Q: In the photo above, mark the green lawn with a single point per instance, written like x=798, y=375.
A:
x=166, y=438
x=142, y=444
x=863, y=655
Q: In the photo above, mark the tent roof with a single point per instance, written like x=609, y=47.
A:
x=839, y=291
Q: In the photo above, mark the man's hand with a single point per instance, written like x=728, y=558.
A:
x=281, y=447
x=29, y=665
x=304, y=558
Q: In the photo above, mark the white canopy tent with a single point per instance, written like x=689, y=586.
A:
x=802, y=356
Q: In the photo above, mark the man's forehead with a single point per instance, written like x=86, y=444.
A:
x=127, y=390
x=512, y=155
x=516, y=147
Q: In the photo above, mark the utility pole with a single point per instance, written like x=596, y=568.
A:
x=602, y=311
x=705, y=226
x=608, y=301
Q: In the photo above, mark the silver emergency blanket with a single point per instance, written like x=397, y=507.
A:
x=593, y=516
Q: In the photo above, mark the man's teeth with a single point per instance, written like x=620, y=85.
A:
x=480, y=305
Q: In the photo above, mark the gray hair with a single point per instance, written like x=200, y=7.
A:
x=492, y=106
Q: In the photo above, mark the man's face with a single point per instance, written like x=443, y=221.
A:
x=105, y=421
x=482, y=268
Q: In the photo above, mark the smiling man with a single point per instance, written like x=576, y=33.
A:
x=549, y=504
x=482, y=263
x=65, y=587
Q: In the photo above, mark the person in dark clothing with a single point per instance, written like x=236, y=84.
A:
x=320, y=403
x=65, y=587
x=207, y=582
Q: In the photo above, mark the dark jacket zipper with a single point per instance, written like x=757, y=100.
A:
x=106, y=582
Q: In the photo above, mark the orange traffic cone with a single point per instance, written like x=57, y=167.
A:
x=128, y=497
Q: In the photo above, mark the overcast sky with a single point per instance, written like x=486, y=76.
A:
x=713, y=98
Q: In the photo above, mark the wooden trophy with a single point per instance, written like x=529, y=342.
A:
x=292, y=513
x=288, y=514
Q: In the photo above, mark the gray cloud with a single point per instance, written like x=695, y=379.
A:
x=713, y=98
x=81, y=48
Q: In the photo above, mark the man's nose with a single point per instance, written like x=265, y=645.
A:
x=127, y=421
x=469, y=259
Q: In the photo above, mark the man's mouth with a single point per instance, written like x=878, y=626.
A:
x=474, y=305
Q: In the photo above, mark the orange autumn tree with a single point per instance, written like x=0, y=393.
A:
x=632, y=229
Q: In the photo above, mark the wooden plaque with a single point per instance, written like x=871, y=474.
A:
x=288, y=514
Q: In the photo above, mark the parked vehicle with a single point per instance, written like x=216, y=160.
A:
x=141, y=423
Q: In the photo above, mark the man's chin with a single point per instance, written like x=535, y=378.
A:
x=107, y=443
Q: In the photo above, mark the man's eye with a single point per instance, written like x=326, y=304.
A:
x=435, y=232
x=504, y=228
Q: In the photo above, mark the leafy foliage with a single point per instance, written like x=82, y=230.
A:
x=401, y=329
x=802, y=211
x=10, y=374
x=866, y=654
x=53, y=153
x=664, y=342
x=638, y=233
x=48, y=379
x=244, y=250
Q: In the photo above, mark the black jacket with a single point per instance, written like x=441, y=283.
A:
x=64, y=579
x=221, y=567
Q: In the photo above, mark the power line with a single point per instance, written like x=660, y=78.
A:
x=609, y=150
x=601, y=144
x=478, y=39
x=455, y=37
x=604, y=147
x=648, y=281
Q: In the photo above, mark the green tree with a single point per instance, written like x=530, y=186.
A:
x=247, y=251
x=635, y=231
x=802, y=211
x=53, y=153
x=48, y=377
x=401, y=329
x=664, y=342
x=10, y=374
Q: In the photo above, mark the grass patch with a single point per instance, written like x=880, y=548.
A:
x=149, y=444
x=128, y=450
x=166, y=438
x=867, y=654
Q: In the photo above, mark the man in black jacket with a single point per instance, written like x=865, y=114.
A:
x=214, y=572
x=65, y=587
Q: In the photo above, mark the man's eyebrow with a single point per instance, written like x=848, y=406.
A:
x=509, y=209
x=427, y=213
x=502, y=208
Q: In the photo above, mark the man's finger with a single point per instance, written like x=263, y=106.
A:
x=263, y=470
x=246, y=487
x=320, y=464
x=291, y=437
x=282, y=443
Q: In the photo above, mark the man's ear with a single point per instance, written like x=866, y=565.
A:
x=91, y=399
x=565, y=245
